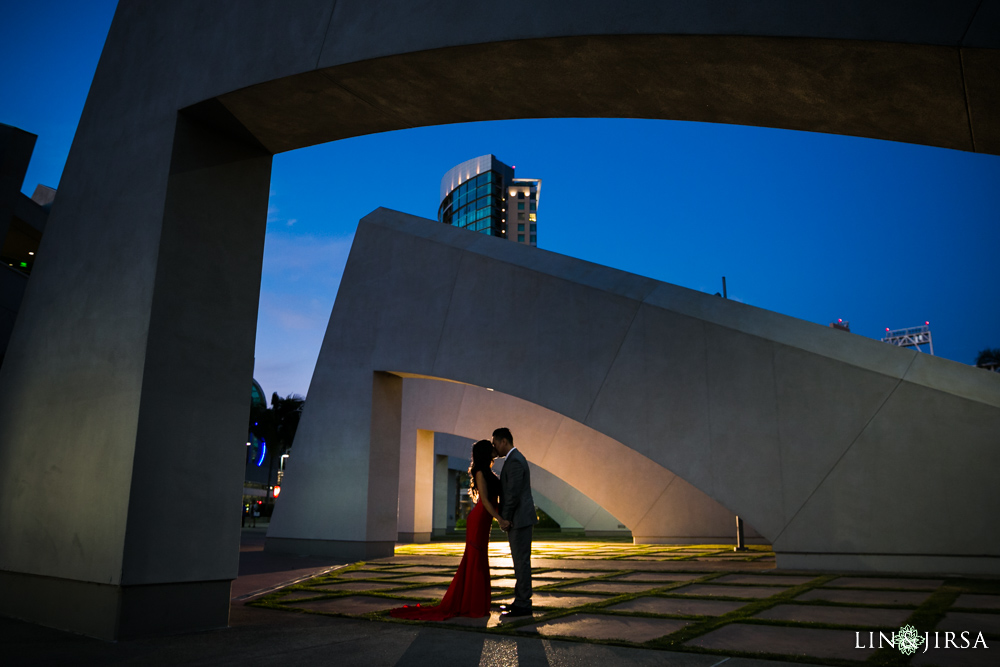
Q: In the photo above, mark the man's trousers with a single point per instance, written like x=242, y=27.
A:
x=520, y=553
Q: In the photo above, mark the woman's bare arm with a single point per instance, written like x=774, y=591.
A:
x=482, y=489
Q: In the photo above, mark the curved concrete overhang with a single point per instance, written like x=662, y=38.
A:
x=650, y=500
x=915, y=93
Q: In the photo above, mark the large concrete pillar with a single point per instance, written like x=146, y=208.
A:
x=416, y=488
x=352, y=515
x=441, y=477
x=120, y=491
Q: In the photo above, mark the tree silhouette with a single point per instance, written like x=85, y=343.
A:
x=989, y=359
x=276, y=425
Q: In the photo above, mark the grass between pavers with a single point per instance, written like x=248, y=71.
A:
x=926, y=615
x=675, y=640
x=605, y=550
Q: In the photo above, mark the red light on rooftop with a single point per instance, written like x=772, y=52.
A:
x=927, y=324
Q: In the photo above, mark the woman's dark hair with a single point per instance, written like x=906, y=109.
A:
x=482, y=459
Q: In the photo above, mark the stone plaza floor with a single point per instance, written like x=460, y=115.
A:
x=691, y=599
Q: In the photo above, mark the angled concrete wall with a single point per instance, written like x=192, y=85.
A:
x=843, y=452
x=143, y=301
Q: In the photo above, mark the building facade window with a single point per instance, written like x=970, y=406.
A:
x=476, y=202
x=474, y=195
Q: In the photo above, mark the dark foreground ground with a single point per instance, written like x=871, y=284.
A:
x=596, y=603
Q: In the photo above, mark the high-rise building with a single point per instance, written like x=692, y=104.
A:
x=482, y=195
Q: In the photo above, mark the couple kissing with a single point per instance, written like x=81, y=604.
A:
x=508, y=500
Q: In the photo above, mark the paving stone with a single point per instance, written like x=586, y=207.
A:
x=507, y=582
x=297, y=595
x=611, y=586
x=764, y=579
x=865, y=597
x=358, y=586
x=658, y=576
x=423, y=579
x=885, y=582
x=878, y=618
x=598, y=626
x=648, y=558
x=729, y=591
x=555, y=600
x=566, y=574
x=802, y=642
x=575, y=557
x=957, y=621
x=430, y=593
x=496, y=573
x=354, y=604
x=977, y=601
x=658, y=605
x=363, y=574
x=419, y=569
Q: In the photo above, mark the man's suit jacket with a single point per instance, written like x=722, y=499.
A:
x=516, y=503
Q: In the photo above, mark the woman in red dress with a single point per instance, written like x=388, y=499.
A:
x=469, y=592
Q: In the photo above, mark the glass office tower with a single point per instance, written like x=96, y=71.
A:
x=475, y=194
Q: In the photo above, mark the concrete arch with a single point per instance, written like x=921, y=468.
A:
x=656, y=505
x=829, y=445
x=147, y=280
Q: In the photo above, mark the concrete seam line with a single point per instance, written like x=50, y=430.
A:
x=972, y=19
x=849, y=447
x=777, y=416
x=720, y=662
x=708, y=409
x=621, y=344
x=965, y=93
x=291, y=582
x=329, y=24
x=653, y=504
x=444, y=327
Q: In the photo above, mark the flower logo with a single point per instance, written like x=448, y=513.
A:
x=908, y=640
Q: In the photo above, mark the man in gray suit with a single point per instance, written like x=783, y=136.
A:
x=517, y=512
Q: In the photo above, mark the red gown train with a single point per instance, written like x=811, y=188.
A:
x=469, y=592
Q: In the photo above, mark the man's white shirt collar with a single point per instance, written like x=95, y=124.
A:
x=508, y=453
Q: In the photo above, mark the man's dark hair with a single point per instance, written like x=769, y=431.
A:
x=503, y=433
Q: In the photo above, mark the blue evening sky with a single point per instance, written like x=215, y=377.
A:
x=814, y=226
